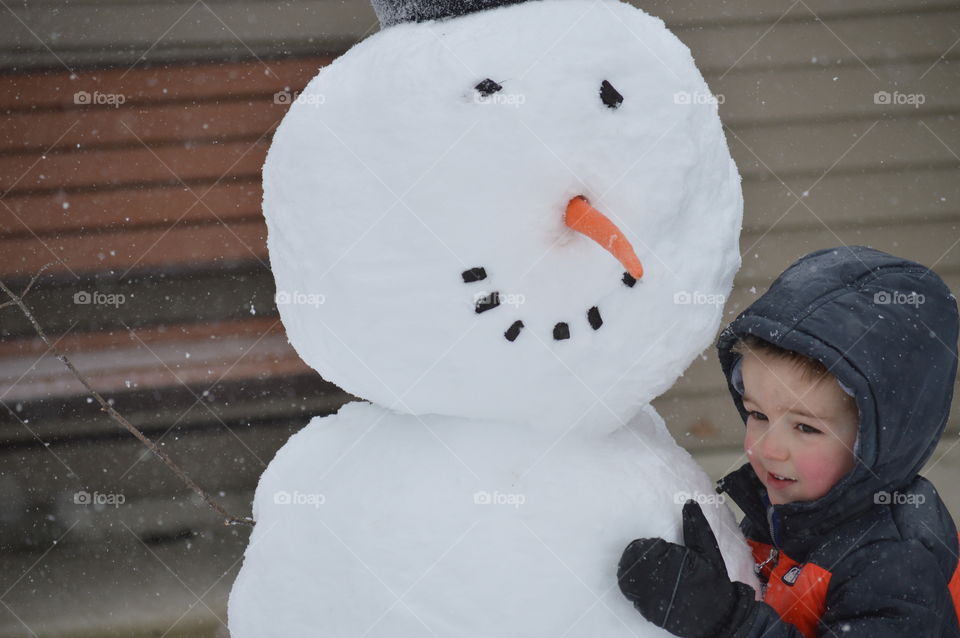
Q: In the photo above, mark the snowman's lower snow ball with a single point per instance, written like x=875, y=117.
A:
x=509, y=226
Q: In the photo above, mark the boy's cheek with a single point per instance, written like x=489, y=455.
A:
x=819, y=474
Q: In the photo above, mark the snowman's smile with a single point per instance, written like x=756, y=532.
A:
x=585, y=219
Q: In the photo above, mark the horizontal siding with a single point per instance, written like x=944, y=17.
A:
x=171, y=178
x=866, y=39
x=128, y=208
x=93, y=167
x=164, y=123
x=699, y=13
x=126, y=33
x=199, y=354
x=848, y=200
x=178, y=245
x=123, y=464
x=905, y=143
x=675, y=10
x=31, y=91
x=932, y=243
x=775, y=96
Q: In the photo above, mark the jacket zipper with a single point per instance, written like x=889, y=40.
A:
x=772, y=558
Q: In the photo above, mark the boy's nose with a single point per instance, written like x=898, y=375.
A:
x=772, y=446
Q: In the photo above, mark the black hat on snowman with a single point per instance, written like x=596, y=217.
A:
x=391, y=12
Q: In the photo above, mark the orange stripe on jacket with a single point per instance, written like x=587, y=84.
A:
x=954, y=586
x=803, y=602
x=797, y=591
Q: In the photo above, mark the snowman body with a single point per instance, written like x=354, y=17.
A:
x=373, y=523
x=415, y=198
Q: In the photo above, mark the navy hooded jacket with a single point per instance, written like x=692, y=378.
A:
x=876, y=555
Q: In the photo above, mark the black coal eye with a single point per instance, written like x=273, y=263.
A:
x=610, y=96
x=473, y=275
x=488, y=87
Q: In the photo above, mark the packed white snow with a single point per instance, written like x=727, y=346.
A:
x=375, y=524
x=390, y=178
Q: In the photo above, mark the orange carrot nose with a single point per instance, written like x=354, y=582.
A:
x=585, y=219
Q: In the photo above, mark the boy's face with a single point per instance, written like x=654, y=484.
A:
x=800, y=431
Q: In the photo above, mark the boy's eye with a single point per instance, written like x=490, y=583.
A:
x=806, y=429
x=760, y=416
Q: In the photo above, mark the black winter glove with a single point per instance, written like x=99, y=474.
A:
x=685, y=589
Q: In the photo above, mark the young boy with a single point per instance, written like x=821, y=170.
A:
x=843, y=373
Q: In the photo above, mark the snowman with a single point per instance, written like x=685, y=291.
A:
x=507, y=227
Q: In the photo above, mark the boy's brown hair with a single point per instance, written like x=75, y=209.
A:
x=811, y=369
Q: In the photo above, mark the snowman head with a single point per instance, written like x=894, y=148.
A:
x=454, y=207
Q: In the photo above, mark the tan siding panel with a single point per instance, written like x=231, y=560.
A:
x=935, y=244
x=706, y=13
x=128, y=33
x=166, y=164
x=178, y=245
x=196, y=82
x=913, y=196
x=812, y=149
x=875, y=39
x=774, y=95
x=119, y=210
x=93, y=32
x=225, y=351
x=89, y=128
